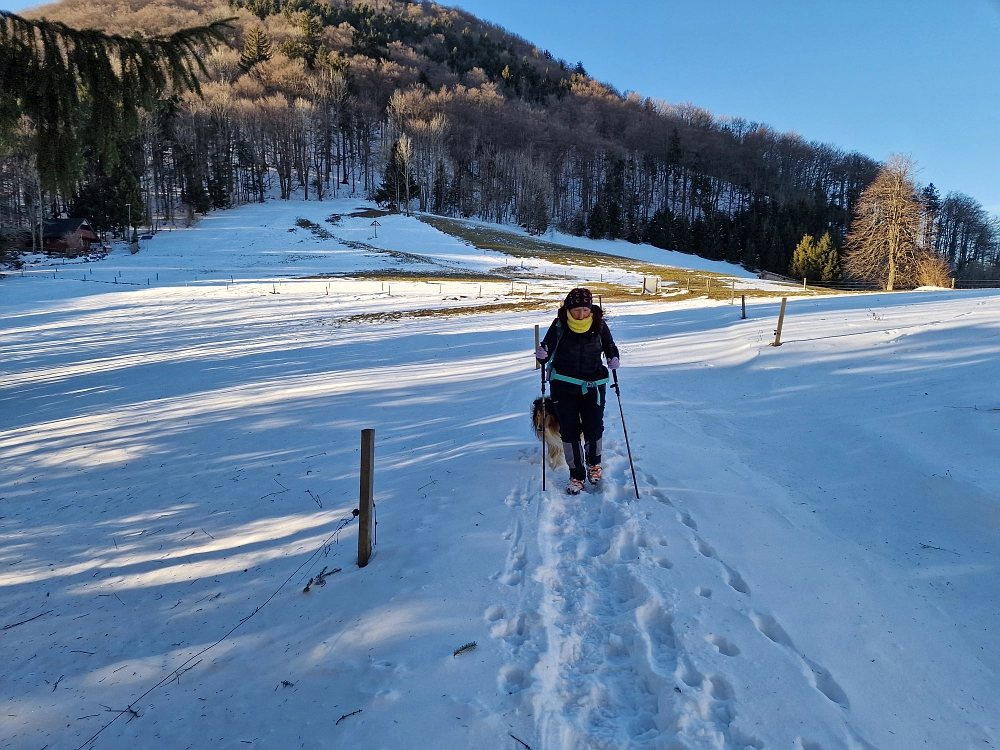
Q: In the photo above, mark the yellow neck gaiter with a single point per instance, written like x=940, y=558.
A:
x=579, y=326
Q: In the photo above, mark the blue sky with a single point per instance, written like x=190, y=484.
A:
x=920, y=77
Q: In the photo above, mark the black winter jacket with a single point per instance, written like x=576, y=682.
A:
x=578, y=355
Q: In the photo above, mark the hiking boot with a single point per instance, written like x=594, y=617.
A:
x=574, y=487
x=594, y=474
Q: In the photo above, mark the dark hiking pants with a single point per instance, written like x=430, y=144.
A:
x=579, y=413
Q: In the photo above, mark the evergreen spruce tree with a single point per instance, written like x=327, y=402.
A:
x=828, y=259
x=804, y=263
x=263, y=8
x=819, y=261
x=308, y=44
x=106, y=190
x=68, y=83
x=393, y=191
x=930, y=233
x=256, y=49
x=597, y=223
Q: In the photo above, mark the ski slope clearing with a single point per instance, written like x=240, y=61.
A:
x=812, y=562
x=624, y=249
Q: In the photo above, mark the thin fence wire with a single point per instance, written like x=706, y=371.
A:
x=845, y=286
x=324, y=547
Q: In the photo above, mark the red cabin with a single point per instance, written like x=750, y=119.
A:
x=70, y=236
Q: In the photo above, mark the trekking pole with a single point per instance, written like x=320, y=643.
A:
x=625, y=430
x=544, y=424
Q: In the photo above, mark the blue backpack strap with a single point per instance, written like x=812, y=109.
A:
x=552, y=356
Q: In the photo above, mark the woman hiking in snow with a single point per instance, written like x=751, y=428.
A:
x=571, y=352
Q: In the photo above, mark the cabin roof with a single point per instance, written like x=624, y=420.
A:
x=62, y=227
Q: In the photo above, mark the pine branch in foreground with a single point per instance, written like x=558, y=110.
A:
x=63, y=80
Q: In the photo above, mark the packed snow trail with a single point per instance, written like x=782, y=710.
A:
x=614, y=655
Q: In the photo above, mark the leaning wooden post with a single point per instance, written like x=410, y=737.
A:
x=732, y=299
x=366, y=504
x=537, y=363
x=781, y=320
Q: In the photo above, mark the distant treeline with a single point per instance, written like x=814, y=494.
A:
x=413, y=100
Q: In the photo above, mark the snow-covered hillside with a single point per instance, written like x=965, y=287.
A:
x=812, y=563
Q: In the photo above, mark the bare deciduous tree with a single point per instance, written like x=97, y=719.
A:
x=933, y=270
x=883, y=244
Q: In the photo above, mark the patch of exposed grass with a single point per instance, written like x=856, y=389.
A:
x=370, y=213
x=397, y=274
x=520, y=246
x=313, y=227
x=444, y=312
x=686, y=284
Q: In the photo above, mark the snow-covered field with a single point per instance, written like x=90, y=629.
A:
x=812, y=563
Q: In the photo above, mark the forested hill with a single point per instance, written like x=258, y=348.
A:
x=476, y=121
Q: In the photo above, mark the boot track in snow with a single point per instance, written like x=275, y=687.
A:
x=605, y=653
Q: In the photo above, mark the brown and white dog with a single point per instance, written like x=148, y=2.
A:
x=547, y=430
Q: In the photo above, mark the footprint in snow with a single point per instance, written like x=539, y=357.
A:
x=657, y=626
x=512, y=680
x=514, y=630
x=660, y=497
x=771, y=628
x=735, y=581
x=823, y=681
x=722, y=645
x=494, y=613
x=690, y=676
x=704, y=548
x=720, y=689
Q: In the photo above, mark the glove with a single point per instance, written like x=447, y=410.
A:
x=541, y=353
x=614, y=363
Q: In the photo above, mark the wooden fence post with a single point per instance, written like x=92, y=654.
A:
x=744, y=298
x=366, y=504
x=537, y=363
x=781, y=320
x=804, y=289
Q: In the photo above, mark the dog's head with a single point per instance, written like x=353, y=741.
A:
x=542, y=417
